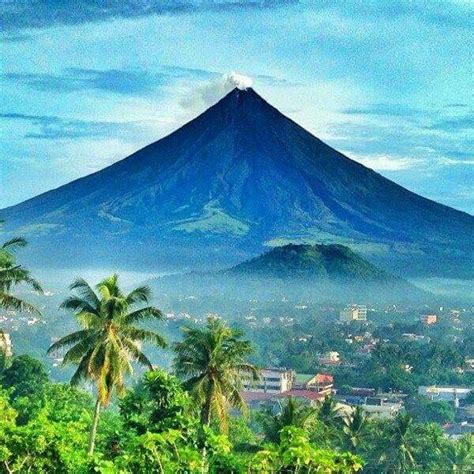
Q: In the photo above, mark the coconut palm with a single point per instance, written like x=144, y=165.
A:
x=292, y=413
x=399, y=457
x=108, y=342
x=355, y=428
x=213, y=362
x=12, y=274
x=329, y=412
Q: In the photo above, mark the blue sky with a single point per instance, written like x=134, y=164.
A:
x=387, y=82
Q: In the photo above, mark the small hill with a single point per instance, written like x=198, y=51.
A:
x=319, y=273
x=327, y=262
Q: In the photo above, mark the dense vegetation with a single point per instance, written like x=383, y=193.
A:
x=310, y=261
x=155, y=427
x=194, y=421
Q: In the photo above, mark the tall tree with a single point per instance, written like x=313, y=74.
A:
x=12, y=274
x=399, y=456
x=108, y=342
x=329, y=413
x=355, y=429
x=213, y=360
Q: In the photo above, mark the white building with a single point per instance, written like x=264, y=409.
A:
x=272, y=380
x=447, y=394
x=331, y=358
x=382, y=410
x=355, y=312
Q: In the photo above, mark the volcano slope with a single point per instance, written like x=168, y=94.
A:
x=239, y=178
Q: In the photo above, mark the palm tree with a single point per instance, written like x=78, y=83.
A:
x=291, y=413
x=459, y=454
x=108, y=342
x=399, y=458
x=329, y=412
x=355, y=428
x=12, y=274
x=213, y=360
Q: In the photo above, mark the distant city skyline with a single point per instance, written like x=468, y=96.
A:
x=387, y=83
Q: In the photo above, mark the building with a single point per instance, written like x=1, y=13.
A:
x=307, y=397
x=377, y=407
x=331, y=358
x=272, y=380
x=258, y=400
x=321, y=383
x=429, y=319
x=415, y=337
x=447, y=394
x=5, y=344
x=458, y=430
x=355, y=312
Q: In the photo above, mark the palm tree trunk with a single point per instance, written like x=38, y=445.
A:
x=93, y=431
x=206, y=409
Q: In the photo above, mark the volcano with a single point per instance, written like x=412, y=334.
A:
x=239, y=178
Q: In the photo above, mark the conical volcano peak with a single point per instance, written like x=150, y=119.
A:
x=238, y=95
x=236, y=179
x=245, y=102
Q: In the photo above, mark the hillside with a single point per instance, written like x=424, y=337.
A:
x=235, y=180
x=321, y=262
x=318, y=273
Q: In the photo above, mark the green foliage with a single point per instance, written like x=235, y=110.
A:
x=157, y=430
x=12, y=274
x=292, y=413
x=25, y=376
x=355, y=429
x=214, y=361
x=295, y=454
x=53, y=440
x=108, y=342
x=158, y=404
x=424, y=410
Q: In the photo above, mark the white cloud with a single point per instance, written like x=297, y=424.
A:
x=208, y=93
x=238, y=80
x=386, y=162
x=452, y=162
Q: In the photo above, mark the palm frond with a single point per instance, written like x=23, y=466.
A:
x=14, y=243
x=85, y=291
x=77, y=351
x=142, y=294
x=81, y=372
x=77, y=304
x=105, y=349
x=137, y=354
x=11, y=302
x=144, y=335
x=144, y=313
x=69, y=340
